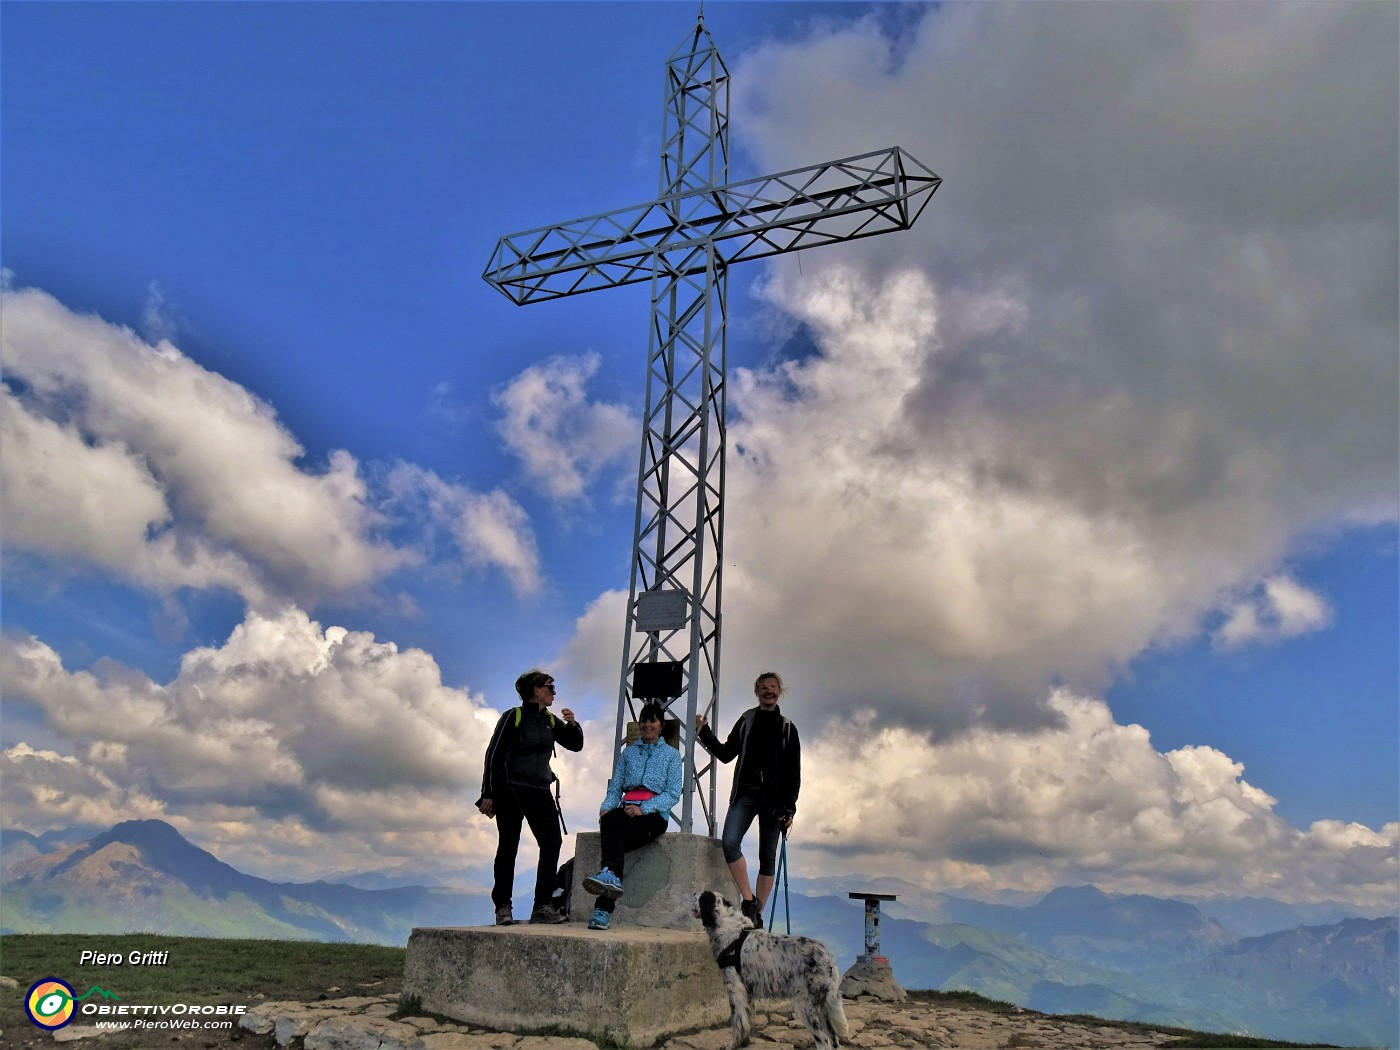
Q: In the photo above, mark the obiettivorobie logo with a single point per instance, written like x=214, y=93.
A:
x=51, y=1003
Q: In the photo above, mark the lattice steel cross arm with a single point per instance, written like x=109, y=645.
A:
x=837, y=201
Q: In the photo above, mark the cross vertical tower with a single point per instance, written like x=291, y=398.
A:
x=677, y=538
x=683, y=243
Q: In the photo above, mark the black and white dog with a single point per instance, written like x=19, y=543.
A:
x=756, y=964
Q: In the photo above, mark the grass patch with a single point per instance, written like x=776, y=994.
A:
x=1202, y=1041
x=962, y=998
x=203, y=970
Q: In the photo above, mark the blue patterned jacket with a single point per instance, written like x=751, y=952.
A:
x=656, y=767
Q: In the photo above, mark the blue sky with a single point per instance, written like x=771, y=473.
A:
x=1069, y=516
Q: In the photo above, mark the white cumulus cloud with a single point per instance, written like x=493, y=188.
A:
x=1116, y=374
x=286, y=730
x=67, y=792
x=563, y=439
x=133, y=459
x=1282, y=608
x=1089, y=800
x=129, y=458
x=289, y=750
x=488, y=530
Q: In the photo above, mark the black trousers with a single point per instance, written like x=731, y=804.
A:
x=620, y=835
x=518, y=805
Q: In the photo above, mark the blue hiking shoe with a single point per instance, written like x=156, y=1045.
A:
x=604, y=884
x=600, y=919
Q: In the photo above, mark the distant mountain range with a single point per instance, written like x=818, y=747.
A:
x=1318, y=972
x=143, y=875
x=1072, y=952
x=419, y=873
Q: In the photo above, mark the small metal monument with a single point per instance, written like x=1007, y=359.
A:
x=871, y=975
x=683, y=243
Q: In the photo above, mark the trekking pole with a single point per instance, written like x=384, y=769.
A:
x=787, y=904
x=559, y=807
x=782, y=877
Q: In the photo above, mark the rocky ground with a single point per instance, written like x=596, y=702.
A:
x=364, y=1023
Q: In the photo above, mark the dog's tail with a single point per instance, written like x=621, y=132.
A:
x=835, y=1012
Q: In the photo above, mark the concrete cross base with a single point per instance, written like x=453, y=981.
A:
x=872, y=977
x=660, y=881
x=631, y=985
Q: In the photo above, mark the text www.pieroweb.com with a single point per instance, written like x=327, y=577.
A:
x=180, y=1016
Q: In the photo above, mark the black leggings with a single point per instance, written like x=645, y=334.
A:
x=622, y=834
x=736, y=825
x=516, y=805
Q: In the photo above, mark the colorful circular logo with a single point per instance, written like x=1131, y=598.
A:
x=50, y=1003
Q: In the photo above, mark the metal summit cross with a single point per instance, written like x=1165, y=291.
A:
x=683, y=242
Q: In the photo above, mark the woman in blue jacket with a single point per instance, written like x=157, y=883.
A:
x=645, y=787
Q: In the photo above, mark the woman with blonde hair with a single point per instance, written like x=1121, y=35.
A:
x=766, y=784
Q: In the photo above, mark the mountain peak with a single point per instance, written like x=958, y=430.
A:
x=164, y=848
x=1079, y=895
x=148, y=835
x=128, y=829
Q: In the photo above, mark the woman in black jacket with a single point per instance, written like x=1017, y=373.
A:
x=766, y=785
x=515, y=786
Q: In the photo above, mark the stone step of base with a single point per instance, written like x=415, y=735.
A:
x=631, y=985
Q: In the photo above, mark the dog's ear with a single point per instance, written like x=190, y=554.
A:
x=706, y=901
